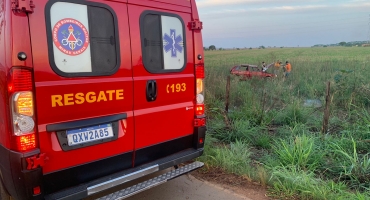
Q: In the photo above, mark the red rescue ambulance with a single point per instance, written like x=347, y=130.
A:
x=98, y=93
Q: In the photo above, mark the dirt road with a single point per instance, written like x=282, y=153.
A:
x=185, y=187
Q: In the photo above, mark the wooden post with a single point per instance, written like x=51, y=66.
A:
x=226, y=118
x=227, y=94
x=327, y=109
x=263, y=106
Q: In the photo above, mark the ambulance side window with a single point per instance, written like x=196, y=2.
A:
x=82, y=39
x=162, y=42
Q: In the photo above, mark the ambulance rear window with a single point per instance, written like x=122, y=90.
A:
x=163, y=42
x=82, y=39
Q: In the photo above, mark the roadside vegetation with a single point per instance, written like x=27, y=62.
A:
x=272, y=133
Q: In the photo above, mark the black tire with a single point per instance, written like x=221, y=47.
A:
x=4, y=195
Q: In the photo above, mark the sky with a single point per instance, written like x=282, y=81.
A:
x=288, y=23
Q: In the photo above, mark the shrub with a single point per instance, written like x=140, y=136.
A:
x=233, y=158
x=353, y=168
x=300, y=152
x=293, y=114
x=294, y=182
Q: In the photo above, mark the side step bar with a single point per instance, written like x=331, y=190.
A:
x=127, y=192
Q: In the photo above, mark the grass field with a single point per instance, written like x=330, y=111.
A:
x=275, y=138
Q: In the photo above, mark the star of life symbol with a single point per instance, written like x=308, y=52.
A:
x=173, y=43
x=70, y=36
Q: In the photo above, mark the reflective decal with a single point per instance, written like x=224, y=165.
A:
x=70, y=26
x=70, y=36
x=172, y=43
x=89, y=97
x=172, y=88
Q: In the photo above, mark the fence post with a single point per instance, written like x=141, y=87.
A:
x=263, y=105
x=226, y=117
x=227, y=94
x=327, y=109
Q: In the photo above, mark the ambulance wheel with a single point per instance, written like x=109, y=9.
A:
x=3, y=193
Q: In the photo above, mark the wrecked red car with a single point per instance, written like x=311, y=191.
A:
x=249, y=71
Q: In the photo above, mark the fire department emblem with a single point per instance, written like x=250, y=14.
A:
x=70, y=36
x=173, y=43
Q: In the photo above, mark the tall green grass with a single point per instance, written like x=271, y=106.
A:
x=233, y=158
x=269, y=124
x=297, y=183
x=300, y=152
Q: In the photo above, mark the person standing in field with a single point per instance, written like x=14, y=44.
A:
x=277, y=67
x=288, y=68
x=264, y=68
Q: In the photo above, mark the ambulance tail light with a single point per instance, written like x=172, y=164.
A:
x=199, y=76
x=22, y=109
x=199, y=71
x=199, y=118
x=199, y=109
x=25, y=142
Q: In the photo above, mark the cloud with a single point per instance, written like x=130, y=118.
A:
x=285, y=10
x=265, y=10
x=213, y=3
x=254, y=22
x=293, y=8
x=208, y=3
x=356, y=4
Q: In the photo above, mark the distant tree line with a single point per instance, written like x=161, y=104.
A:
x=345, y=44
x=210, y=48
x=213, y=48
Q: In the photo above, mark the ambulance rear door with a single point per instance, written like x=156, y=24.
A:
x=163, y=73
x=84, y=89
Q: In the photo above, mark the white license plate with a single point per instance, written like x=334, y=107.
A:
x=90, y=134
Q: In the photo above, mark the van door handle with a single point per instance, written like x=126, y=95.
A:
x=151, y=90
